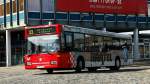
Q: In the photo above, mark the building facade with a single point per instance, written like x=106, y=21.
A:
x=16, y=14
x=12, y=40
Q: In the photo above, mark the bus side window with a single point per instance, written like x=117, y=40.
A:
x=116, y=44
x=68, y=41
x=78, y=42
x=107, y=44
x=62, y=44
x=105, y=48
x=88, y=43
x=99, y=42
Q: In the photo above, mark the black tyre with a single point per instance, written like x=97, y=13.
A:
x=117, y=65
x=49, y=71
x=80, y=65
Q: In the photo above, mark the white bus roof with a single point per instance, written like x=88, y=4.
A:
x=94, y=32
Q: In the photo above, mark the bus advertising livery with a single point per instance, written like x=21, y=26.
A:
x=58, y=47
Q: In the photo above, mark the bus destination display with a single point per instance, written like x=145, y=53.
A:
x=36, y=31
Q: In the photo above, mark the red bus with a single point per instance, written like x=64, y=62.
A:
x=56, y=47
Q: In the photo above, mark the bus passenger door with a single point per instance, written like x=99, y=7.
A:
x=68, y=38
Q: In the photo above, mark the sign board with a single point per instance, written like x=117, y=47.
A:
x=39, y=31
x=103, y=6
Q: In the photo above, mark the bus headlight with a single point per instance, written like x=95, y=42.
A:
x=29, y=63
x=53, y=62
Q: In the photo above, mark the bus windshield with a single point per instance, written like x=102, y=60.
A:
x=43, y=44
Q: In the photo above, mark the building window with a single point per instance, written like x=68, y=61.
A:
x=2, y=10
x=7, y=8
x=14, y=6
x=21, y=5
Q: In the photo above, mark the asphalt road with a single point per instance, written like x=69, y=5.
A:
x=127, y=75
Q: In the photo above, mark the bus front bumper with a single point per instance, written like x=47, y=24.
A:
x=42, y=65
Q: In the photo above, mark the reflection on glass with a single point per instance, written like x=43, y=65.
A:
x=43, y=44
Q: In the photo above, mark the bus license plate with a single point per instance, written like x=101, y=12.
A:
x=40, y=66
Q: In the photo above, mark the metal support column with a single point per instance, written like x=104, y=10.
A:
x=8, y=48
x=11, y=12
x=5, y=24
x=18, y=16
x=136, y=54
x=41, y=12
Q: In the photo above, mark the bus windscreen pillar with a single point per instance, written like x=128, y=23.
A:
x=136, y=54
x=8, y=48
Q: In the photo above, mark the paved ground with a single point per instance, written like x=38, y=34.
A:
x=127, y=75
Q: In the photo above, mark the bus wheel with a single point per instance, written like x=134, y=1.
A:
x=49, y=71
x=117, y=64
x=92, y=69
x=80, y=65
